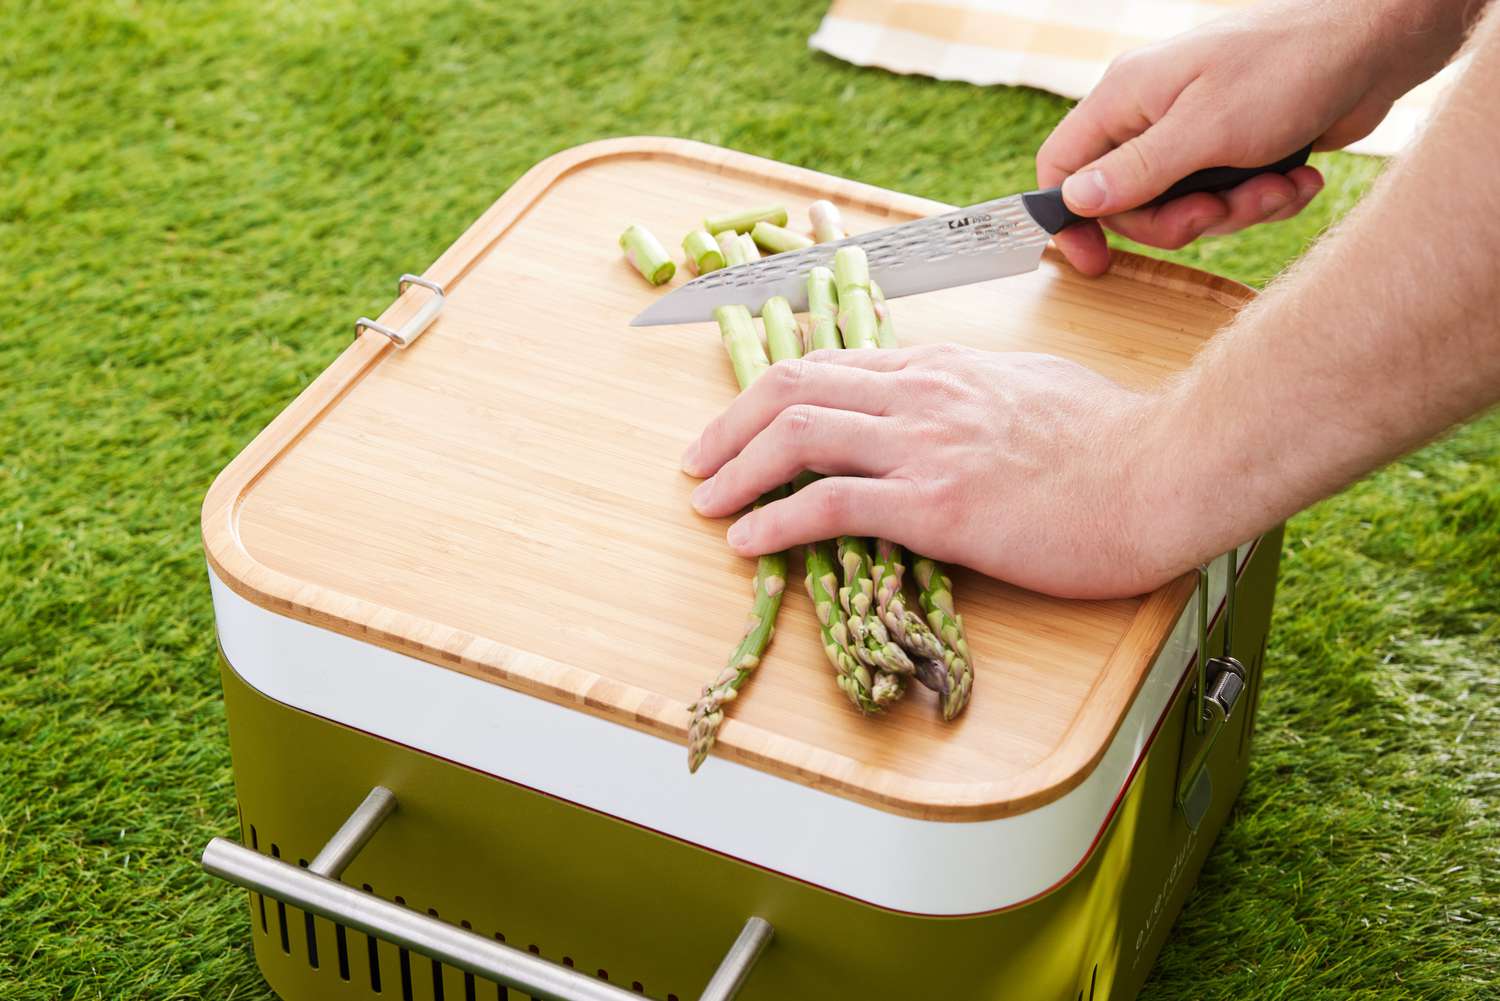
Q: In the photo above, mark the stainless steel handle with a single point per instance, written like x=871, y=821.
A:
x=317, y=890
x=413, y=328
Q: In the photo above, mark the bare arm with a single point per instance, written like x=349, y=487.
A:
x=1385, y=335
x=1044, y=473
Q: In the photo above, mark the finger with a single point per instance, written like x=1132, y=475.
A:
x=1309, y=182
x=1141, y=168
x=1079, y=139
x=801, y=438
x=1255, y=201
x=786, y=383
x=869, y=359
x=1175, y=224
x=1085, y=248
x=838, y=505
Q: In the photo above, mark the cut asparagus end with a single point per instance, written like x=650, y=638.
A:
x=782, y=336
x=744, y=222
x=827, y=223
x=645, y=252
x=702, y=251
x=776, y=239
x=742, y=344
x=823, y=310
x=851, y=270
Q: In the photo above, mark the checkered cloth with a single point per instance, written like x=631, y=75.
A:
x=1057, y=45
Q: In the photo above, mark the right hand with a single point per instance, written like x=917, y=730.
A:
x=1245, y=90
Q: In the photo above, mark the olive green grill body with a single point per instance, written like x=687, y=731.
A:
x=626, y=903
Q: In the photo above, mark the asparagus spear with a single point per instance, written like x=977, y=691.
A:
x=873, y=643
x=744, y=222
x=776, y=239
x=946, y=670
x=823, y=309
x=703, y=253
x=822, y=581
x=827, y=225
x=935, y=592
x=645, y=251
x=750, y=362
x=708, y=711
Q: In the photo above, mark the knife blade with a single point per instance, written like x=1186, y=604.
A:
x=993, y=239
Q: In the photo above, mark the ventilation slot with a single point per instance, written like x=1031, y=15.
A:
x=385, y=963
x=1093, y=982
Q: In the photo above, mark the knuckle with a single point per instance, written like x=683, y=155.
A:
x=797, y=422
x=788, y=376
x=832, y=500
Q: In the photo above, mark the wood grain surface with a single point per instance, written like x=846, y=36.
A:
x=504, y=499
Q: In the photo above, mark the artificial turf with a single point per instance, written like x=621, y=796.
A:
x=197, y=199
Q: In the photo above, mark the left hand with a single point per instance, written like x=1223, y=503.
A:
x=1021, y=466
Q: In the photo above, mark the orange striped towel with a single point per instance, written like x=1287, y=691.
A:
x=1057, y=45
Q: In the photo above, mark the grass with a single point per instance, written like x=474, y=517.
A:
x=198, y=199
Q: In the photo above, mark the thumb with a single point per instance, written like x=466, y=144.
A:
x=1132, y=174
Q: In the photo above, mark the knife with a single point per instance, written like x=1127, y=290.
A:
x=993, y=239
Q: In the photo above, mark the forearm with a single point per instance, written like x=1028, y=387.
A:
x=1381, y=338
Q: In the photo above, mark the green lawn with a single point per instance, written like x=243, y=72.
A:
x=197, y=200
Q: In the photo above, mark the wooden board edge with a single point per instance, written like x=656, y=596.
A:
x=559, y=683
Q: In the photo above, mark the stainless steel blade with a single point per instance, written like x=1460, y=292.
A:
x=990, y=240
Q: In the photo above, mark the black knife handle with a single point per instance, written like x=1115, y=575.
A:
x=1049, y=211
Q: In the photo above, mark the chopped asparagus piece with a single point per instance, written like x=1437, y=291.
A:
x=744, y=222
x=782, y=335
x=827, y=224
x=777, y=240
x=823, y=310
x=703, y=252
x=738, y=249
x=645, y=251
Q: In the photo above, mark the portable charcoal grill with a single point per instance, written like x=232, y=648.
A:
x=463, y=603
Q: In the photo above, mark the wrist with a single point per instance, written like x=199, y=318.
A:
x=1416, y=38
x=1168, y=514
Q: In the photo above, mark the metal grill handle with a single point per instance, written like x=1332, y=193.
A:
x=322, y=894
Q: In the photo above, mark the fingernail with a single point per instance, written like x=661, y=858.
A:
x=1085, y=191
x=739, y=534
x=690, y=458
x=702, y=492
x=1275, y=201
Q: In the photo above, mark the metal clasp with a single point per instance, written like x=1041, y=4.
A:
x=412, y=328
x=1216, y=691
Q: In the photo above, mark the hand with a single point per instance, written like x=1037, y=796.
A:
x=1018, y=465
x=1245, y=90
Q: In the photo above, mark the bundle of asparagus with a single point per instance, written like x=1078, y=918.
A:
x=874, y=641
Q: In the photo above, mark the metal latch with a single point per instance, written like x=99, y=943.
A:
x=1216, y=691
x=420, y=321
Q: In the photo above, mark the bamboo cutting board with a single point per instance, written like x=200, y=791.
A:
x=503, y=498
